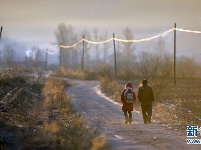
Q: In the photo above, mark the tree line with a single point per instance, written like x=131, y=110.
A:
x=147, y=64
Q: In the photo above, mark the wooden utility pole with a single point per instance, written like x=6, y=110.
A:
x=83, y=56
x=115, y=63
x=0, y=56
x=45, y=60
x=1, y=31
x=60, y=56
x=175, y=54
x=26, y=60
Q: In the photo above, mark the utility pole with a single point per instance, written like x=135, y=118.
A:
x=45, y=60
x=60, y=56
x=1, y=31
x=115, y=63
x=175, y=54
x=26, y=60
x=83, y=56
x=0, y=56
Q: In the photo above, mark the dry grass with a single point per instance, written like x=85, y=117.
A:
x=99, y=142
x=41, y=118
x=181, y=103
x=177, y=105
x=77, y=74
x=111, y=88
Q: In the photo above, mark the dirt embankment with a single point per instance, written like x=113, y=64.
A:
x=17, y=116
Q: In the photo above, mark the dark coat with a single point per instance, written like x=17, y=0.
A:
x=145, y=95
x=127, y=106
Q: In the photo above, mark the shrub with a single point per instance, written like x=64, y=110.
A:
x=65, y=129
x=110, y=88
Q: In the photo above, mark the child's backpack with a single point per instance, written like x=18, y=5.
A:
x=129, y=96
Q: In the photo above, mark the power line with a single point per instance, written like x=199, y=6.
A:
x=190, y=31
x=127, y=41
x=72, y=45
x=52, y=53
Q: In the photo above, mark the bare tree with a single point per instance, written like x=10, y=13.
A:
x=95, y=34
x=9, y=55
x=160, y=46
x=66, y=35
x=128, y=51
x=157, y=69
x=105, y=46
x=187, y=67
x=37, y=56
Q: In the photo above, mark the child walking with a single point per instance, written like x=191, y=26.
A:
x=128, y=97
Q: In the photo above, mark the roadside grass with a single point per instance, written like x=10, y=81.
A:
x=111, y=88
x=70, y=128
x=178, y=105
x=39, y=116
x=77, y=74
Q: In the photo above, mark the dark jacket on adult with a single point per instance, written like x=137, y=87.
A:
x=145, y=95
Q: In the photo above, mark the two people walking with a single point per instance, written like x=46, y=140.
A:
x=145, y=96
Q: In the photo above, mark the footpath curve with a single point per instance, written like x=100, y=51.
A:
x=107, y=117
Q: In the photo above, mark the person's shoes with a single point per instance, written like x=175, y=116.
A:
x=130, y=120
x=145, y=121
x=126, y=122
x=149, y=119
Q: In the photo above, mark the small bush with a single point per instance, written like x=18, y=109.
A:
x=65, y=129
x=90, y=75
x=99, y=142
x=106, y=72
x=110, y=88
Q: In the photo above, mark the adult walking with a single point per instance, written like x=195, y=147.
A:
x=128, y=97
x=146, y=97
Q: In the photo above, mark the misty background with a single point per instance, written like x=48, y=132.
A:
x=29, y=25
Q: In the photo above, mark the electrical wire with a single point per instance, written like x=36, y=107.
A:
x=190, y=31
x=145, y=39
x=101, y=42
x=52, y=53
x=72, y=45
x=120, y=40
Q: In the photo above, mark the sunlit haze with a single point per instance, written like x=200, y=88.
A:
x=33, y=23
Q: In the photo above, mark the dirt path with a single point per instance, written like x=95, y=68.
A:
x=107, y=117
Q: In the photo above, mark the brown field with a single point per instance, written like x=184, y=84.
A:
x=177, y=105
x=183, y=101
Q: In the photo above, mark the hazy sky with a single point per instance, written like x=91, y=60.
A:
x=34, y=21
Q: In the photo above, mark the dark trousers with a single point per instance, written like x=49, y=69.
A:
x=128, y=114
x=146, y=111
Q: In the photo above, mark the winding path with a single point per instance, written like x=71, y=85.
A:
x=107, y=117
